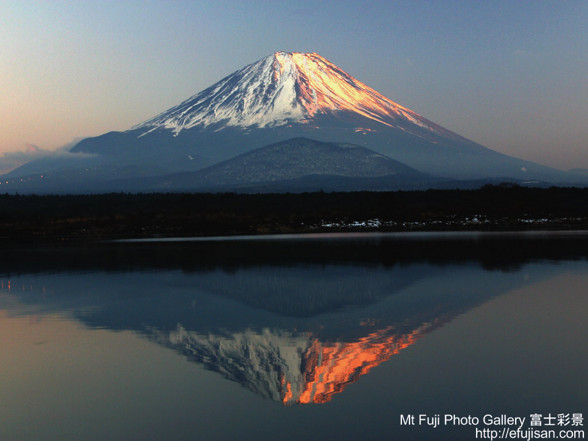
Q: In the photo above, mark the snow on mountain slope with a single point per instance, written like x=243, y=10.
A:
x=283, y=88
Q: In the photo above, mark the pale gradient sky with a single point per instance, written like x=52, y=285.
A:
x=511, y=75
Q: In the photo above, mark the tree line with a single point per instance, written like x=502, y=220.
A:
x=90, y=217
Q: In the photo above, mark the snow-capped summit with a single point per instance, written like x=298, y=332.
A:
x=283, y=88
x=288, y=95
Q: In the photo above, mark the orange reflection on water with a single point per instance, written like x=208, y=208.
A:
x=330, y=367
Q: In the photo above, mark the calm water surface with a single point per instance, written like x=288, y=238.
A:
x=290, y=338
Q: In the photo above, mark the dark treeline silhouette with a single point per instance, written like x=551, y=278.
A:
x=30, y=218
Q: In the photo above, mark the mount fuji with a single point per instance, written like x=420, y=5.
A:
x=276, y=99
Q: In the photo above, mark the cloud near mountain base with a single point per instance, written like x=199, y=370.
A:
x=10, y=161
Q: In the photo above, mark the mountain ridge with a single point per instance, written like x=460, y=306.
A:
x=283, y=96
x=285, y=162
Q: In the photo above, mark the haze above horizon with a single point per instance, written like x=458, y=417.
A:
x=508, y=75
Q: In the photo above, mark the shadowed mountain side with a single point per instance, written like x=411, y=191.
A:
x=283, y=296
x=302, y=164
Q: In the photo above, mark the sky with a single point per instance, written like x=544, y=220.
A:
x=511, y=75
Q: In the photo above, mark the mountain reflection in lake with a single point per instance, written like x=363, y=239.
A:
x=96, y=339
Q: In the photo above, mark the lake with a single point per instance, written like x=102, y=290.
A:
x=440, y=336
